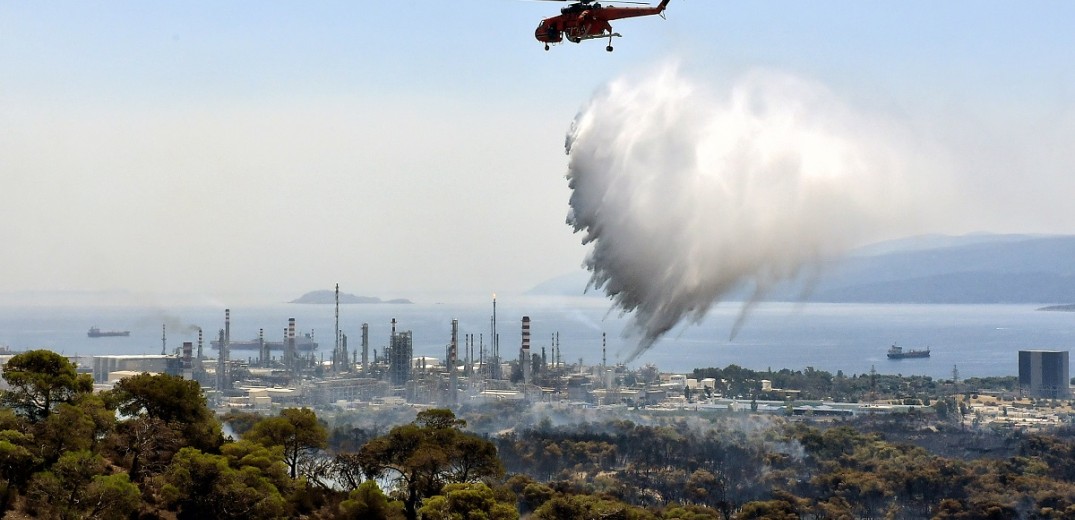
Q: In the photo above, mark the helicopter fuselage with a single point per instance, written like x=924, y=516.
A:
x=582, y=21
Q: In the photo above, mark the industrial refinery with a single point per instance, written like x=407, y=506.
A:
x=296, y=371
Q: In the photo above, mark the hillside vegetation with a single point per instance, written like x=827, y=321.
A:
x=151, y=448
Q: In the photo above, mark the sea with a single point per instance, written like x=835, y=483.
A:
x=969, y=340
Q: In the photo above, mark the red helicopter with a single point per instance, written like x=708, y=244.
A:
x=589, y=20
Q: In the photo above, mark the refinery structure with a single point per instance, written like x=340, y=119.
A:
x=295, y=370
x=263, y=375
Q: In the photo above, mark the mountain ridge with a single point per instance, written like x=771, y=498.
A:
x=978, y=268
x=320, y=297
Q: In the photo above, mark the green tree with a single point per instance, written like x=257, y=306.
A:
x=368, y=502
x=563, y=507
x=112, y=497
x=438, y=419
x=296, y=430
x=769, y=509
x=264, y=462
x=421, y=457
x=467, y=501
x=690, y=512
x=39, y=380
x=535, y=494
x=200, y=485
x=75, y=487
x=17, y=464
x=75, y=426
x=177, y=402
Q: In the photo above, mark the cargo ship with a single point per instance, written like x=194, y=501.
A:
x=895, y=352
x=304, y=343
x=98, y=333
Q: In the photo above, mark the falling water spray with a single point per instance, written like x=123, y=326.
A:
x=686, y=194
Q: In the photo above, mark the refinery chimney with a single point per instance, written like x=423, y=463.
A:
x=222, y=354
x=494, y=368
x=556, y=352
x=365, y=348
x=453, y=356
x=344, y=360
x=398, y=355
x=220, y=366
x=336, y=352
x=188, y=362
x=524, y=352
x=226, y=345
x=263, y=352
x=289, y=350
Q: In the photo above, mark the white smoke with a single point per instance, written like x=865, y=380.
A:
x=687, y=194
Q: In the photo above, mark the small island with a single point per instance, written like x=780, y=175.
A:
x=1059, y=308
x=329, y=297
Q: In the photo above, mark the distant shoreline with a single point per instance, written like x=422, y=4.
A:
x=329, y=297
x=1059, y=308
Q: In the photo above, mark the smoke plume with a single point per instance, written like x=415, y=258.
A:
x=687, y=194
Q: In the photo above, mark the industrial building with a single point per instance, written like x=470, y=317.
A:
x=105, y=366
x=399, y=354
x=472, y=370
x=1044, y=373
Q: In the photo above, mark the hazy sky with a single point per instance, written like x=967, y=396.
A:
x=408, y=147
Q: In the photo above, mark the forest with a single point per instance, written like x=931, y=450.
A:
x=151, y=447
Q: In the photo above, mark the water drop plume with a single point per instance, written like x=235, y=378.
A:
x=686, y=193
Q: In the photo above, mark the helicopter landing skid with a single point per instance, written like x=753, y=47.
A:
x=610, y=36
x=599, y=36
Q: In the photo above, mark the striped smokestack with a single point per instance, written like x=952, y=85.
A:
x=524, y=358
x=290, y=352
x=526, y=332
x=263, y=353
x=453, y=356
x=226, y=346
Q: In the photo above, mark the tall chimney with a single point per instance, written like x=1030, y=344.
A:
x=337, y=353
x=365, y=348
x=263, y=351
x=226, y=345
x=345, y=365
x=559, y=360
x=524, y=357
x=453, y=355
x=290, y=348
x=188, y=362
x=221, y=367
x=495, y=367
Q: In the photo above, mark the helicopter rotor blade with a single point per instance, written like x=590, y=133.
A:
x=592, y=1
